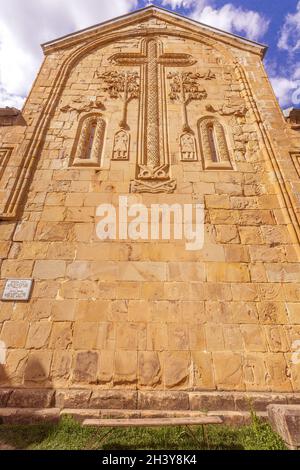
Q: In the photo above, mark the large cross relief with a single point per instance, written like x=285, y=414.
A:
x=153, y=155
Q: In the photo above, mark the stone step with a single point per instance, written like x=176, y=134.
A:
x=152, y=422
x=234, y=418
x=29, y=415
x=33, y=415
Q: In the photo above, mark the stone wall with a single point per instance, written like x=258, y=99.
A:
x=151, y=315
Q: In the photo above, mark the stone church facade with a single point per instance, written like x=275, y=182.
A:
x=163, y=110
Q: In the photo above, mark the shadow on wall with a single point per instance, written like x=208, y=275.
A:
x=4, y=379
x=36, y=389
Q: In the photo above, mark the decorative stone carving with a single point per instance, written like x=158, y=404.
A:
x=167, y=187
x=121, y=146
x=153, y=158
x=188, y=148
x=89, y=143
x=228, y=110
x=124, y=85
x=186, y=87
x=81, y=106
x=214, y=147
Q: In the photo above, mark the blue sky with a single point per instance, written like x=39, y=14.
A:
x=24, y=25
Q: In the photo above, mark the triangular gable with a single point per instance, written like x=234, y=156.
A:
x=144, y=14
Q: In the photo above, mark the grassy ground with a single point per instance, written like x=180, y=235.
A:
x=69, y=435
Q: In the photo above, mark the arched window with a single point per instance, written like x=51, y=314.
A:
x=89, y=142
x=212, y=143
x=214, y=149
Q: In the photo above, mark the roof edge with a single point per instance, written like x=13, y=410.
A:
x=155, y=8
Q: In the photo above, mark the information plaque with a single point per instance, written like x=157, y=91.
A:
x=17, y=290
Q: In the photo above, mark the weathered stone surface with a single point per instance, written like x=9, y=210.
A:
x=38, y=335
x=14, y=334
x=203, y=401
x=85, y=368
x=13, y=416
x=31, y=399
x=72, y=398
x=149, y=368
x=113, y=399
x=176, y=366
x=285, y=420
x=4, y=397
x=150, y=314
x=38, y=366
x=163, y=401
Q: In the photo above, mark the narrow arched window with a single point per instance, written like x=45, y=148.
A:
x=89, y=143
x=90, y=140
x=214, y=148
x=212, y=143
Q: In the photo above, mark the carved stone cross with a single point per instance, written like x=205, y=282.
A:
x=153, y=161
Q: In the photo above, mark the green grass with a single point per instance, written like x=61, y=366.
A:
x=69, y=435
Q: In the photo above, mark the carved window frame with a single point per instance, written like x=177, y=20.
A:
x=86, y=123
x=209, y=163
x=296, y=160
x=5, y=154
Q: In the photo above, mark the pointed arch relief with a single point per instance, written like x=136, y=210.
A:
x=214, y=145
x=89, y=142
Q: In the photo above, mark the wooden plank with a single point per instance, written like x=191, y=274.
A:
x=152, y=422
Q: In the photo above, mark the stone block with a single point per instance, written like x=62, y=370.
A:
x=61, y=337
x=31, y=399
x=163, y=400
x=72, y=399
x=149, y=368
x=176, y=369
x=49, y=269
x=285, y=420
x=38, y=335
x=113, y=399
x=86, y=367
x=228, y=370
x=14, y=334
x=126, y=367
x=38, y=366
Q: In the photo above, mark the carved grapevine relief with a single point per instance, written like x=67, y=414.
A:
x=186, y=87
x=125, y=86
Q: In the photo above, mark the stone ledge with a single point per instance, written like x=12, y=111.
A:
x=31, y=398
x=53, y=415
x=29, y=415
x=144, y=400
x=285, y=420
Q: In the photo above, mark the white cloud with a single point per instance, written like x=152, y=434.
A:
x=234, y=19
x=24, y=25
x=182, y=3
x=287, y=90
x=290, y=33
